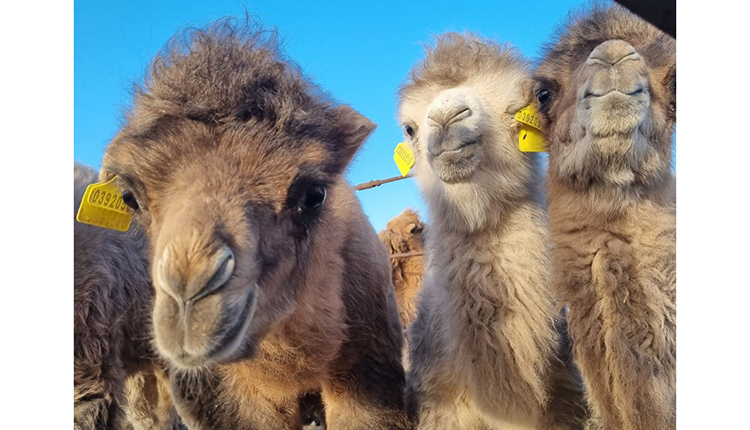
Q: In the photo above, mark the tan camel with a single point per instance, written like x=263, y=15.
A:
x=404, y=234
x=484, y=351
x=606, y=94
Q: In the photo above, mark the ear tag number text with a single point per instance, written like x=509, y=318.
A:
x=404, y=158
x=102, y=206
x=530, y=138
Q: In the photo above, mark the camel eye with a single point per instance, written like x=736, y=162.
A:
x=409, y=130
x=314, y=198
x=543, y=96
x=129, y=199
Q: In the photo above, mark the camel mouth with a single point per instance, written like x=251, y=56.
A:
x=614, y=112
x=591, y=94
x=232, y=339
x=229, y=342
x=457, y=164
x=452, y=152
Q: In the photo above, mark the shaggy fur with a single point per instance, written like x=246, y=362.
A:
x=113, y=296
x=609, y=113
x=403, y=234
x=484, y=351
x=269, y=280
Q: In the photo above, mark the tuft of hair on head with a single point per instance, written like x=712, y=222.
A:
x=234, y=72
x=228, y=71
x=589, y=25
x=455, y=57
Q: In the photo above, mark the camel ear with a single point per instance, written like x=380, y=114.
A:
x=353, y=130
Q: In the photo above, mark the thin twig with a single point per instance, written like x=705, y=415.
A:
x=408, y=254
x=379, y=182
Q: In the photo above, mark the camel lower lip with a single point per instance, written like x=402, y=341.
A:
x=457, y=150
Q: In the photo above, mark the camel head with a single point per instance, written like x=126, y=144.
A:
x=457, y=109
x=227, y=159
x=606, y=94
x=403, y=233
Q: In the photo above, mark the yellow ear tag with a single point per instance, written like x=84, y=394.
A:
x=102, y=206
x=404, y=158
x=530, y=138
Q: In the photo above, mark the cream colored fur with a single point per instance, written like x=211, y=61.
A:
x=483, y=349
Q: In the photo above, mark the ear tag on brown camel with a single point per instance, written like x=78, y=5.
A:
x=102, y=206
x=404, y=158
x=530, y=138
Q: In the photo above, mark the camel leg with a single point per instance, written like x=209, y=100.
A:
x=439, y=413
x=150, y=402
x=205, y=401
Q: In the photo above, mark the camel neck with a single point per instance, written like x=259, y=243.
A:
x=495, y=223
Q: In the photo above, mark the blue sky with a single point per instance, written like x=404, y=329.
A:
x=357, y=51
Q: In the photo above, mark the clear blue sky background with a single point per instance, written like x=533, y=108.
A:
x=358, y=51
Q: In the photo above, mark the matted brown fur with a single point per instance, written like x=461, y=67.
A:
x=484, y=350
x=403, y=234
x=270, y=282
x=609, y=124
x=112, y=350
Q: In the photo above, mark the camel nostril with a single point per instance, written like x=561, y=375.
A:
x=208, y=275
x=445, y=116
x=613, y=52
x=223, y=268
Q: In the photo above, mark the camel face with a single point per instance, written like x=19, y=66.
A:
x=453, y=134
x=606, y=93
x=226, y=234
x=457, y=112
x=614, y=99
x=404, y=233
x=230, y=186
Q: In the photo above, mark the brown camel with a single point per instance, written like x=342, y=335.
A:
x=269, y=280
x=606, y=93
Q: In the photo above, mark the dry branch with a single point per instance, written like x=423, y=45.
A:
x=408, y=254
x=379, y=182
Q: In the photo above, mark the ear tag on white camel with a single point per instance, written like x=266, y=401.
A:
x=530, y=138
x=102, y=206
x=404, y=158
